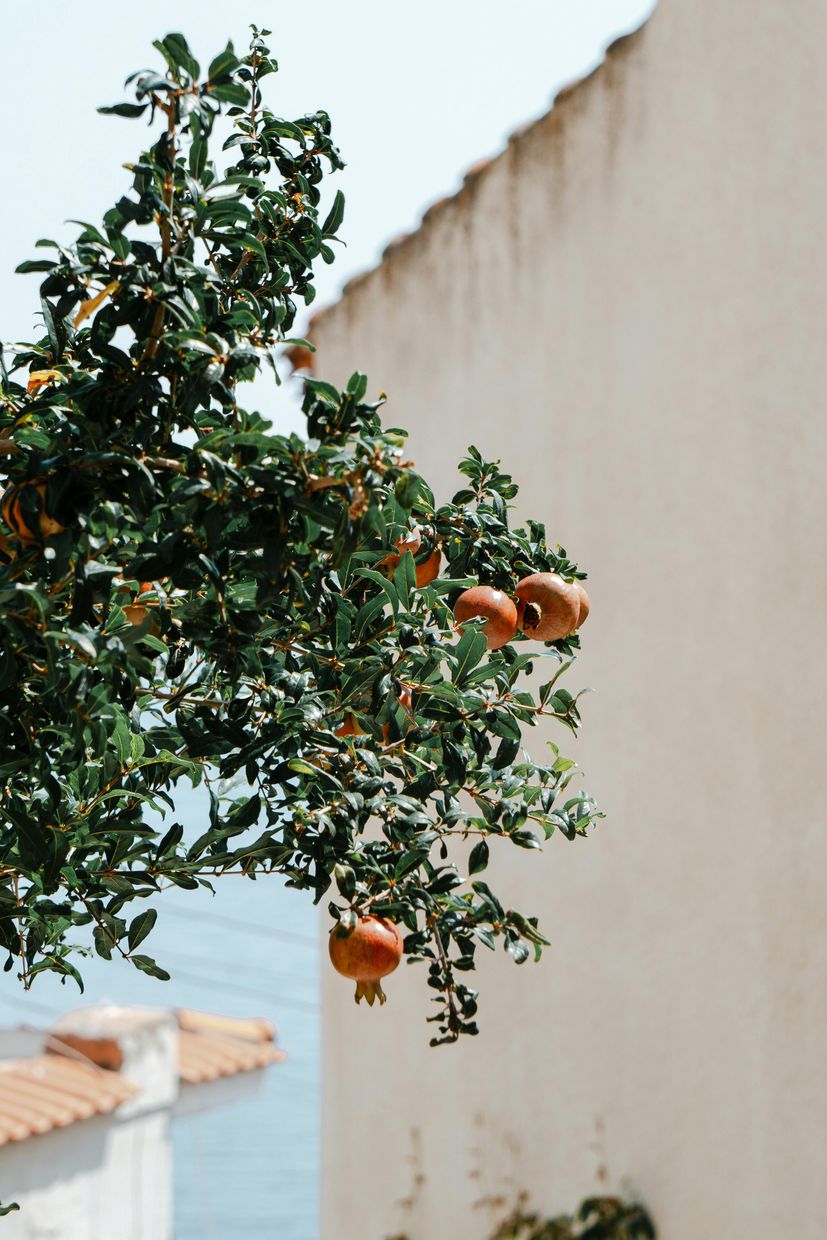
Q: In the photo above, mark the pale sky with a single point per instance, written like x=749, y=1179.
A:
x=417, y=94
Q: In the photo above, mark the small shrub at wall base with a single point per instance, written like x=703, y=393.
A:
x=597, y=1218
x=188, y=596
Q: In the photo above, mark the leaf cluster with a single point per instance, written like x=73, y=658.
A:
x=597, y=1218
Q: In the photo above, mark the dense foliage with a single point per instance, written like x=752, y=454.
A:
x=597, y=1218
x=187, y=595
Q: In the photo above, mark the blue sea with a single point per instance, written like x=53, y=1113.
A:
x=249, y=1170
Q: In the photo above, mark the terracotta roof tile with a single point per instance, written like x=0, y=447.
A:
x=248, y=1029
x=61, y=1086
x=208, y=1056
x=49, y=1091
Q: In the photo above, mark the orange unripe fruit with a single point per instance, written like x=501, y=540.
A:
x=493, y=606
x=549, y=606
x=411, y=541
x=136, y=612
x=11, y=508
x=428, y=570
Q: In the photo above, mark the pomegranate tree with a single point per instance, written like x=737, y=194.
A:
x=295, y=622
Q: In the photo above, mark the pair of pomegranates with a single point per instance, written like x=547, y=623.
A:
x=547, y=608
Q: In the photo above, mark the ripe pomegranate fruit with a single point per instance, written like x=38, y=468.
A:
x=428, y=570
x=11, y=507
x=496, y=608
x=406, y=698
x=136, y=613
x=368, y=952
x=584, y=602
x=411, y=541
x=549, y=606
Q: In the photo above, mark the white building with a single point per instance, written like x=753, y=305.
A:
x=628, y=307
x=86, y=1113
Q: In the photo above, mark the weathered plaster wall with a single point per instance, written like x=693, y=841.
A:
x=628, y=307
x=102, y=1179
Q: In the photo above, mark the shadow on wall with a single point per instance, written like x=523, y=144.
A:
x=68, y=1159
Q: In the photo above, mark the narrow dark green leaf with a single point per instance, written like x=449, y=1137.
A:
x=478, y=860
x=470, y=648
x=124, y=109
x=335, y=215
x=140, y=927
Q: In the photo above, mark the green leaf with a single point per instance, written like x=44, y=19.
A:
x=122, y=737
x=176, y=51
x=386, y=586
x=450, y=585
x=124, y=109
x=199, y=152
x=470, y=648
x=507, y=751
x=80, y=641
x=404, y=580
x=524, y=838
x=224, y=63
x=527, y=928
x=147, y=965
x=302, y=768
x=39, y=264
x=231, y=92
x=140, y=927
x=324, y=391
x=335, y=215
x=478, y=860
x=408, y=489
x=345, y=880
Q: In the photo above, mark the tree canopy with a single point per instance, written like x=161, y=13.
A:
x=187, y=595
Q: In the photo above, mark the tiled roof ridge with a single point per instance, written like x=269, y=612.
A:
x=212, y=1046
x=621, y=45
x=76, y=1077
x=205, y=1057
x=246, y=1028
x=44, y=1092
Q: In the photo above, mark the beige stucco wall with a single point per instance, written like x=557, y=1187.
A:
x=628, y=307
